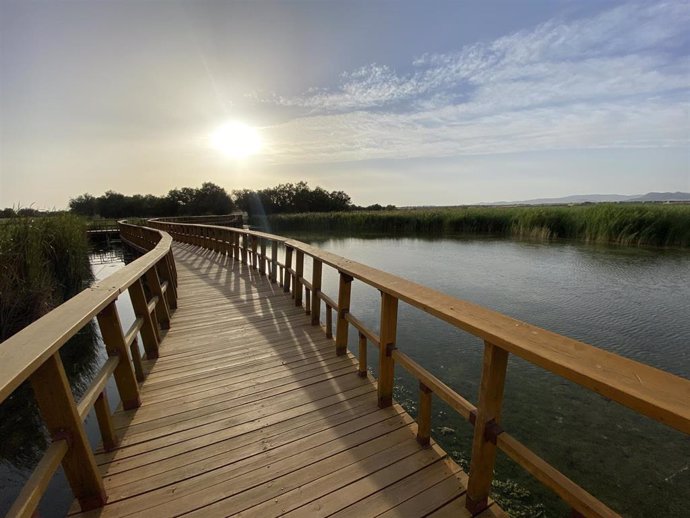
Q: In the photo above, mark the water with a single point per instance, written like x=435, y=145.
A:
x=631, y=301
x=634, y=302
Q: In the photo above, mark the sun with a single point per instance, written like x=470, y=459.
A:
x=236, y=140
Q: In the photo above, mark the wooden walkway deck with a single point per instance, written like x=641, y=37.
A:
x=248, y=411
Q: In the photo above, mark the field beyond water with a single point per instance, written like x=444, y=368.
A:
x=637, y=225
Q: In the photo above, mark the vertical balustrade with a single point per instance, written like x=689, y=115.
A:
x=286, y=273
x=274, y=261
x=245, y=247
x=149, y=331
x=105, y=421
x=329, y=321
x=262, y=258
x=299, y=272
x=56, y=403
x=388, y=330
x=114, y=339
x=342, y=325
x=424, y=415
x=161, y=309
x=362, y=368
x=255, y=258
x=316, y=270
x=485, y=427
x=165, y=271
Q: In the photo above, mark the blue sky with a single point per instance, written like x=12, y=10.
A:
x=411, y=103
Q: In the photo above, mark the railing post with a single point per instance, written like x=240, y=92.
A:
x=299, y=272
x=105, y=421
x=236, y=245
x=162, y=310
x=342, y=325
x=288, y=261
x=388, y=330
x=274, y=261
x=149, y=333
x=424, y=415
x=166, y=273
x=317, y=267
x=362, y=369
x=255, y=259
x=54, y=397
x=245, y=246
x=262, y=259
x=487, y=419
x=114, y=339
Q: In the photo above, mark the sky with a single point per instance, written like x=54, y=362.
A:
x=409, y=103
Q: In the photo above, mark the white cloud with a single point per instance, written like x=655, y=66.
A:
x=620, y=79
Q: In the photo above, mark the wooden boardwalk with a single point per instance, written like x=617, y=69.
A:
x=248, y=411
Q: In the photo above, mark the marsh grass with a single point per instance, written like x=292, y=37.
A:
x=634, y=224
x=43, y=262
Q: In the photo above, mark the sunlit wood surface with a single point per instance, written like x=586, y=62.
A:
x=248, y=411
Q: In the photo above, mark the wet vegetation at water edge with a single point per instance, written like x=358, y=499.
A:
x=635, y=224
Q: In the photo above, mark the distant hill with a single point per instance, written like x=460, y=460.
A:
x=601, y=198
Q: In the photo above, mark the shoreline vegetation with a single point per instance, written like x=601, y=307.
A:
x=658, y=225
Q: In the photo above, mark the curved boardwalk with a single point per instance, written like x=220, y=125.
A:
x=248, y=411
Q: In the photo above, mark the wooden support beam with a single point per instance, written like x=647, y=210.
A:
x=262, y=258
x=329, y=321
x=299, y=272
x=362, y=368
x=424, y=415
x=316, y=271
x=387, y=336
x=149, y=331
x=162, y=310
x=274, y=261
x=114, y=339
x=342, y=326
x=488, y=415
x=56, y=403
x=288, y=263
x=105, y=422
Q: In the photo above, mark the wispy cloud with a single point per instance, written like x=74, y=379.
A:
x=619, y=79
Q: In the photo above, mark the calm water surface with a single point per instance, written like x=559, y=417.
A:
x=630, y=301
x=634, y=302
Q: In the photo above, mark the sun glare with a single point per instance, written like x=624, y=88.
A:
x=236, y=140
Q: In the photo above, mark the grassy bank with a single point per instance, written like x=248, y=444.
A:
x=650, y=225
x=43, y=262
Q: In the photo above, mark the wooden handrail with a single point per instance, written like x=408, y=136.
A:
x=649, y=391
x=33, y=354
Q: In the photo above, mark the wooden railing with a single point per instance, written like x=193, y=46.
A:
x=33, y=354
x=648, y=391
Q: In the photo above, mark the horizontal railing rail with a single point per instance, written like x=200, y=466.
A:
x=649, y=391
x=33, y=354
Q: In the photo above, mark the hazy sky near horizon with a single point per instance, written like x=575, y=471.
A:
x=410, y=103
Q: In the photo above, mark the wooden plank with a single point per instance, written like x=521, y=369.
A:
x=341, y=333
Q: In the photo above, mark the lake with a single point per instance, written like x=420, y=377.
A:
x=631, y=301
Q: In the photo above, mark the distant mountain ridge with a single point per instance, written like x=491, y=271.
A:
x=601, y=198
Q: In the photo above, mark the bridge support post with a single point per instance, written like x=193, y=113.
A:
x=54, y=397
x=316, y=269
x=162, y=310
x=274, y=261
x=488, y=415
x=149, y=333
x=342, y=324
x=286, y=273
x=388, y=330
x=299, y=272
x=262, y=259
x=114, y=339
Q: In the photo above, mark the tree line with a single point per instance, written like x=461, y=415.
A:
x=287, y=198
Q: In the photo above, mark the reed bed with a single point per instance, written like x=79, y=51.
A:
x=635, y=224
x=43, y=262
